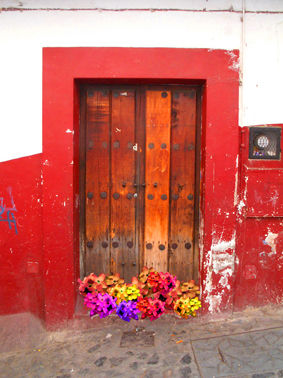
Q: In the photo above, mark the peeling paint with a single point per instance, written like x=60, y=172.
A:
x=240, y=206
x=223, y=261
x=214, y=303
x=243, y=201
x=223, y=246
x=246, y=188
x=201, y=235
x=273, y=199
x=77, y=200
x=236, y=182
x=270, y=240
x=220, y=260
x=224, y=279
x=135, y=147
x=46, y=162
x=69, y=131
x=234, y=61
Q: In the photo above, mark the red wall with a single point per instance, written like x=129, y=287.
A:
x=259, y=278
x=63, y=69
x=40, y=263
x=21, y=287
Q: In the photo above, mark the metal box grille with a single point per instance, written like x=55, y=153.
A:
x=264, y=143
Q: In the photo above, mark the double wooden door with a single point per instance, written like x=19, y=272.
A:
x=139, y=182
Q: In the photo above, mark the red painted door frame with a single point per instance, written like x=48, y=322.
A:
x=63, y=68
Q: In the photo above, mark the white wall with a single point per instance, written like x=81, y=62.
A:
x=170, y=23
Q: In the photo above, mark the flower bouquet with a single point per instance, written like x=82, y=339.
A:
x=149, y=295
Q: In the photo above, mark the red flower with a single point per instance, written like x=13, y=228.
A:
x=153, y=281
x=150, y=308
x=92, y=283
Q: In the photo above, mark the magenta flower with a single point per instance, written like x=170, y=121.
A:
x=166, y=283
x=100, y=304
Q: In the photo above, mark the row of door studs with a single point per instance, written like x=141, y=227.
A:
x=130, y=244
x=176, y=95
x=151, y=146
x=116, y=196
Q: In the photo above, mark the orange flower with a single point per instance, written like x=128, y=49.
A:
x=113, y=280
x=144, y=273
x=187, y=286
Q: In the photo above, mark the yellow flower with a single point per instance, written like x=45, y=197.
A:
x=133, y=292
x=119, y=292
x=186, y=307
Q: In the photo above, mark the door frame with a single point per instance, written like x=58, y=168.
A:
x=63, y=71
x=140, y=123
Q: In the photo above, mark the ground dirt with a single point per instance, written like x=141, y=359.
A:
x=246, y=344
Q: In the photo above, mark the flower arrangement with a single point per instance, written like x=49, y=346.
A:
x=149, y=295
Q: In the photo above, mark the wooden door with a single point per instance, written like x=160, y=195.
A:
x=139, y=183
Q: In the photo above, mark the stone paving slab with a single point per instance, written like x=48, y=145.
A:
x=97, y=353
x=235, y=347
x=240, y=355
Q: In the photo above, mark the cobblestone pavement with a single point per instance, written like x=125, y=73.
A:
x=248, y=344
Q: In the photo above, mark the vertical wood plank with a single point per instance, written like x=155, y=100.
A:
x=157, y=172
x=82, y=183
x=123, y=243
x=197, y=187
x=182, y=183
x=140, y=172
x=97, y=182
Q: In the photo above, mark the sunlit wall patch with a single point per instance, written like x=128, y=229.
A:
x=264, y=143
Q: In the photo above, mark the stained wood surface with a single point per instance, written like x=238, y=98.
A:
x=146, y=137
x=97, y=181
x=123, y=254
x=140, y=173
x=157, y=173
x=182, y=183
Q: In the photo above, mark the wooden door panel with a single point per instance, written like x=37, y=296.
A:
x=97, y=181
x=123, y=251
x=157, y=171
x=139, y=135
x=182, y=183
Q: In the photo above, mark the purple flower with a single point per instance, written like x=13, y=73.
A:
x=127, y=311
x=101, y=304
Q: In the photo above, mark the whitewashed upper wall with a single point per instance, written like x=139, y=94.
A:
x=27, y=26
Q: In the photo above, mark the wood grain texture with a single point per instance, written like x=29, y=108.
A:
x=123, y=250
x=141, y=135
x=157, y=173
x=140, y=173
x=97, y=181
x=183, y=139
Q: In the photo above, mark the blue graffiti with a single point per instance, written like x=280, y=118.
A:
x=8, y=211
